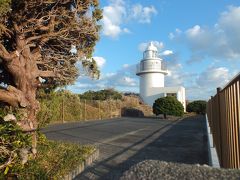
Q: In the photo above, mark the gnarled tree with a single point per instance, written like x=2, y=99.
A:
x=40, y=43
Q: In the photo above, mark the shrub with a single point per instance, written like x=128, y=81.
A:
x=51, y=107
x=13, y=142
x=131, y=112
x=198, y=107
x=53, y=161
x=168, y=106
x=101, y=95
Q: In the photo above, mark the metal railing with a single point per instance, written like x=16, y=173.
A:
x=141, y=68
x=223, y=111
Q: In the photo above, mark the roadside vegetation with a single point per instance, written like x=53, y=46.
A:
x=86, y=106
x=198, y=107
x=102, y=95
x=14, y=143
x=53, y=161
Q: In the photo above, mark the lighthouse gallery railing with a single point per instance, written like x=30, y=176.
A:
x=141, y=67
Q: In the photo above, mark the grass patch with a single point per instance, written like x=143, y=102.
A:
x=54, y=160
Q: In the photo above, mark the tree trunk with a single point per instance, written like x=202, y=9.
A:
x=165, y=116
x=28, y=121
x=24, y=70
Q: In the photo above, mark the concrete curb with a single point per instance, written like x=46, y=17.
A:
x=81, y=167
x=212, y=154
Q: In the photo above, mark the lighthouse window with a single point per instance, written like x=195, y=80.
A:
x=154, y=54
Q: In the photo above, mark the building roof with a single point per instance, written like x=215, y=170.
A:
x=151, y=47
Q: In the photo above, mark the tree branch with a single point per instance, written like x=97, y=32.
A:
x=13, y=97
x=36, y=54
x=4, y=53
x=47, y=74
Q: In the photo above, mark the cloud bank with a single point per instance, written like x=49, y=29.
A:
x=124, y=78
x=118, y=13
x=222, y=41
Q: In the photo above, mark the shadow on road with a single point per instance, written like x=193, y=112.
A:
x=183, y=142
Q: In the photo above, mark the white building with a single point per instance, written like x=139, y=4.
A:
x=152, y=71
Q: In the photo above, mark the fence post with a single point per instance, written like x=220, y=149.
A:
x=80, y=110
x=62, y=109
x=120, y=109
x=85, y=117
x=220, y=126
x=99, y=111
x=110, y=102
x=211, y=118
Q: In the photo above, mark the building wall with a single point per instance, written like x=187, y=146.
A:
x=148, y=82
x=158, y=92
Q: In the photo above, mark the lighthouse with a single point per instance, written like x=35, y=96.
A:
x=152, y=71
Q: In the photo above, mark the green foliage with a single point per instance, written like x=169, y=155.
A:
x=53, y=104
x=51, y=107
x=4, y=6
x=53, y=161
x=198, y=107
x=70, y=27
x=12, y=140
x=168, y=106
x=101, y=95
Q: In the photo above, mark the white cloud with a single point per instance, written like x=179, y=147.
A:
x=100, y=61
x=198, y=85
x=213, y=77
x=126, y=65
x=193, y=32
x=143, y=14
x=176, y=77
x=173, y=35
x=127, y=81
x=204, y=84
x=126, y=30
x=166, y=53
x=123, y=78
x=142, y=46
x=113, y=15
x=222, y=41
x=118, y=12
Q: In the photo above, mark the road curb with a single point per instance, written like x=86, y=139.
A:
x=81, y=167
x=212, y=154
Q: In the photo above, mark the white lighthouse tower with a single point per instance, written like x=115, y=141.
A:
x=151, y=70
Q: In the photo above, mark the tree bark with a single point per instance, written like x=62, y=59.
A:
x=23, y=68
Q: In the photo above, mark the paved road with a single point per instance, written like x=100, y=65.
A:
x=126, y=141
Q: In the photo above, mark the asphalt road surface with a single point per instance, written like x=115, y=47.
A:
x=124, y=142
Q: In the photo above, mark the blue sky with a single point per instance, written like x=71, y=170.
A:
x=199, y=41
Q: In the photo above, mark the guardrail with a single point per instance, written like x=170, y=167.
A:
x=223, y=111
